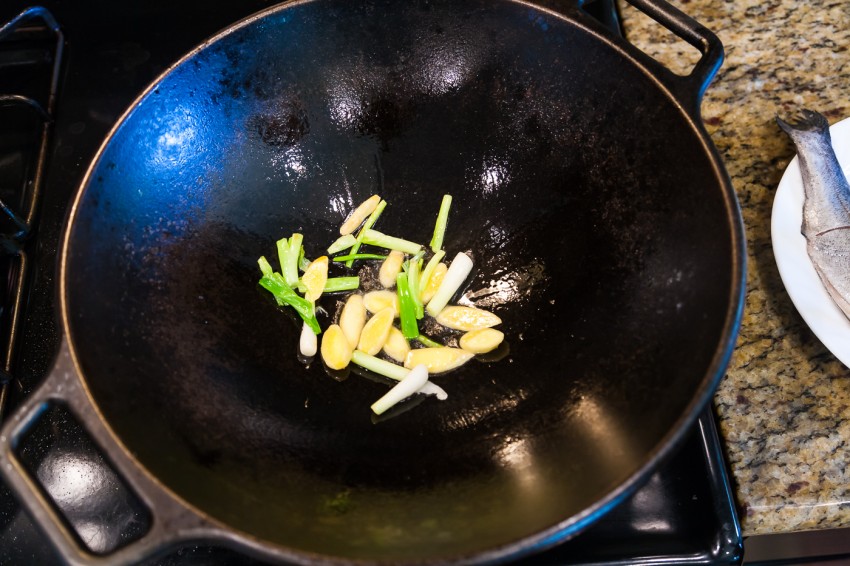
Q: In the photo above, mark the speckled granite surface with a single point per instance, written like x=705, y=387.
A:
x=784, y=405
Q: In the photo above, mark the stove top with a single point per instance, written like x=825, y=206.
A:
x=109, y=52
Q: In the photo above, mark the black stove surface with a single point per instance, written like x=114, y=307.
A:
x=113, y=50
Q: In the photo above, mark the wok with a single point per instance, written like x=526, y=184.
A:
x=603, y=227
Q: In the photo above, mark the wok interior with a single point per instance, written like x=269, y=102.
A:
x=594, y=216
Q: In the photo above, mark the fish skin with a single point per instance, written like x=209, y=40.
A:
x=826, y=204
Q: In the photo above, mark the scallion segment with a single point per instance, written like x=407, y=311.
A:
x=458, y=271
x=427, y=342
x=394, y=372
x=307, y=344
x=353, y=257
x=342, y=243
x=410, y=385
x=277, y=286
x=375, y=238
x=440, y=225
x=288, y=252
x=407, y=308
x=303, y=262
x=335, y=284
x=379, y=366
x=366, y=226
x=429, y=269
x=413, y=274
x=265, y=266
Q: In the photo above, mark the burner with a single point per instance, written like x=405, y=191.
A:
x=31, y=47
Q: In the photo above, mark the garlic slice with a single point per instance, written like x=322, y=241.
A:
x=376, y=331
x=482, y=340
x=467, y=318
x=336, y=351
x=359, y=214
x=437, y=360
x=376, y=301
x=353, y=318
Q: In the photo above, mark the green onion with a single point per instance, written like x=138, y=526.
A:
x=410, y=385
x=375, y=238
x=277, y=286
x=266, y=269
x=394, y=372
x=379, y=366
x=288, y=252
x=265, y=266
x=343, y=243
x=458, y=271
x=352, y=257
x=303, y=262
x=413, y=283
x=335, y=284
x=427, y=342
x=366, y=226
x=407, y=309
x=429, y=269
x=440, y=226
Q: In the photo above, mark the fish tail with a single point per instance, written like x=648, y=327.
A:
x=806, y=121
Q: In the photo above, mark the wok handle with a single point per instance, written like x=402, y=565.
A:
x=172, y=522
x=689, y=88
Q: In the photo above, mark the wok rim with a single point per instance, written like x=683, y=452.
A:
x=524, y=545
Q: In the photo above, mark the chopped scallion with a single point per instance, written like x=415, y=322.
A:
x=458, y=271
x=366, y=226
x=288, y=252
x=429, y=269
x=335, y=284
x=413, y=272
x=303, y=262
x=375, y=238
x=353, y=257
x=265, y=266
x=394, y=372
x=427, y=342
x=277, y=286
x=440, y=225
x=411, y=384
x=407, y=308
x=342, y=243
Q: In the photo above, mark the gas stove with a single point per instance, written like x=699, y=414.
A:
x=67, y=72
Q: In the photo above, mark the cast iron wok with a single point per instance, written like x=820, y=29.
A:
x=603, y=229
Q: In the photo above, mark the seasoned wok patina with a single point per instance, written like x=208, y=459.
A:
x=603, y=228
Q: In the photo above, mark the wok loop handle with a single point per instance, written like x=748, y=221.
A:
x=172, y=522
x=691, y=87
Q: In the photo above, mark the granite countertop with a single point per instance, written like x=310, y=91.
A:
x=784, y=405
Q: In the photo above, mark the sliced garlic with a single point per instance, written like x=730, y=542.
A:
x=336, y=351
x=396, y=345
x=315, y=277
x=375, y=332
x=467, y=318
x=359, y=214
x=376, y=301
x=352, y=318
x=482, y=340
x=437, y=360
x=390, y=269
x=430, y=287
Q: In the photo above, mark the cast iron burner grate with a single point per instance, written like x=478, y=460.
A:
x=31, y=46
x=684, y=515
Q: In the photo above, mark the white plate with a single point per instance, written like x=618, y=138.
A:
x=795, y=267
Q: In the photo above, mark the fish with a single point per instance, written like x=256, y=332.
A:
x=826, y=204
